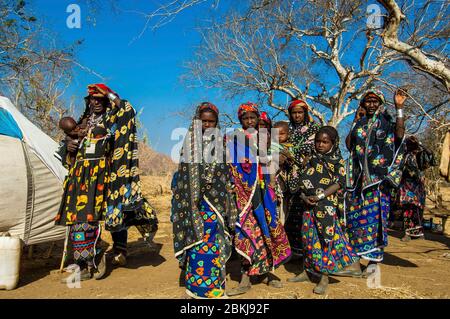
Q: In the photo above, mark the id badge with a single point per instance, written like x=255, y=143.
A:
x=90, y=149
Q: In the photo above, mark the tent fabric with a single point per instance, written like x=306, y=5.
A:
x=39, y=142
x=30, y=182
x=8, y=126
x=13, y=189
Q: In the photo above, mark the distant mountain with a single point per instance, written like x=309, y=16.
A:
x=154, y=163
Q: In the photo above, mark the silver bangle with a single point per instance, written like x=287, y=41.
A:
x=400, y=113
x=111, y=96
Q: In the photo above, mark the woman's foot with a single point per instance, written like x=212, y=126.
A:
x=244, y=286
x=100, y=271
x=353, y=270
x=302, y=277
x=365, y=273
x=119, y=260
x=272, y=281
x=322, y=286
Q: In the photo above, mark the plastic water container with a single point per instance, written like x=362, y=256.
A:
x=10, y=251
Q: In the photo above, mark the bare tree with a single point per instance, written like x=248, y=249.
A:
x=299, y=50
x=34, y=72
x=425, y=48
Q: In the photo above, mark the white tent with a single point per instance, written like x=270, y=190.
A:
x=30, y=179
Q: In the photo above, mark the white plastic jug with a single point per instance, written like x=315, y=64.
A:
x=10, y=251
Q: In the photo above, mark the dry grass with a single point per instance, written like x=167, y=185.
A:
x=403, y=292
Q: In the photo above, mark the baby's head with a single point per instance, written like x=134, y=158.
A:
x=67, y=124
x=325, y=139
x=283, y=131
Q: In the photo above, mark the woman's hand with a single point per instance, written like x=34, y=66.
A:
x=71, y=144
x=309, y=200
x=400, y=98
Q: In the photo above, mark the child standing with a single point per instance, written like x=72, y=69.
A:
x=326, y=247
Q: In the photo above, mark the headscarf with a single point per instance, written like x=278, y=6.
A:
x=93, y=91
x=206, y=106
x=247, y=107
x=304, y=105
x=266, y=119
x=377, y=93
x=197, y=181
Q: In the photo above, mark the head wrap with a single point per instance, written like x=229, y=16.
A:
x=376, y=93
x=266, y=119
x=304, y=105
x=298, y=102
x=93, y=91
x=206, y=106
x=247, y=107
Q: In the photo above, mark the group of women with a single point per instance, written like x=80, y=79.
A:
x=338, y=210
x=226, y=197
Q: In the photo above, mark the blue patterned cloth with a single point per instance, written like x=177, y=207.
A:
x=367, y=222
x=205, y=269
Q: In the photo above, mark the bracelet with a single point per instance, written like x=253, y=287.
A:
x=111, y=96
x=321, y=196
x=400, y=113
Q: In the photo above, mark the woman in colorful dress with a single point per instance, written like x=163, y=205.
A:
x=411, y=195
x=260, y=238
x=376, y=146
x=322, y=183
x=302, y=130
x=202, y=207
x=103, y=181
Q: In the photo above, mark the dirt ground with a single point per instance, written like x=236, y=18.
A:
x=417, y=269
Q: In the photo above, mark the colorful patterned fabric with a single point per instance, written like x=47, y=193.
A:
x=205, y=262
x=199, y=181
x=84, y=197
x=373, y=172
x=367, y=221
x=321, y=172
x=411, y=196
x=103, y=181
x=376, y=154
x=302, y=139
x=325, y=257
x=260, y=237
x=247, y=107
x=84, y=237
x=412, y=186
x=125, y=204
x=412, y=220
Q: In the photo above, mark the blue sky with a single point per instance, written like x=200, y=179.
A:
x=145, y=71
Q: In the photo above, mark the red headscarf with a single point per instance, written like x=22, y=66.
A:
x=247, y=107
x=265, y=118
x=93, y=91
x=298, y=102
